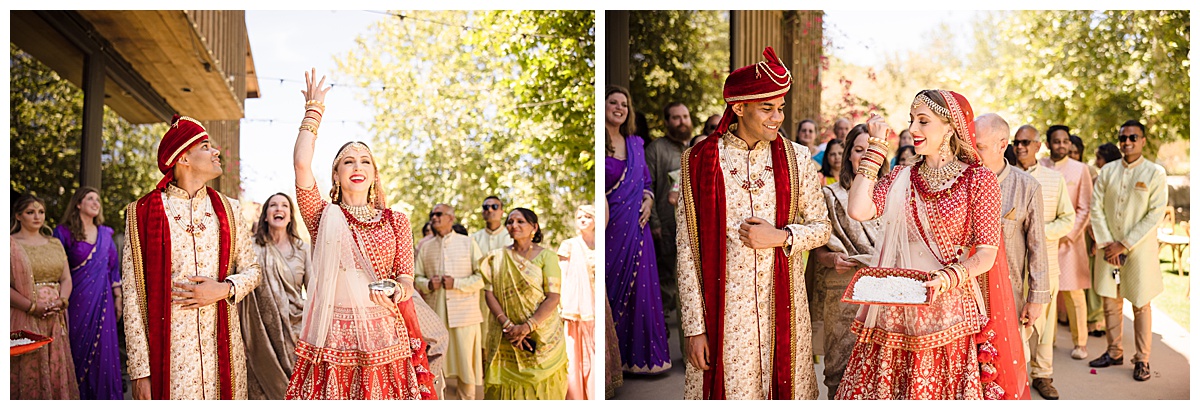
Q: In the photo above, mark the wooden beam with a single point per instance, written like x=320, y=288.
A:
x=616, y=53
x=92, y=141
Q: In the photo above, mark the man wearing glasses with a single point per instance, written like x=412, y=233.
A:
x=448, y=277
x=1128, y=202
x=493, y=236
x=1059, y=216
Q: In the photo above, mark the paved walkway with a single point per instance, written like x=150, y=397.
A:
x=1169, y=365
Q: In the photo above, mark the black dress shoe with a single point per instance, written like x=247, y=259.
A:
x=1044, y=388
x=1098, y=333
x=1105, y=360
x=1141, y=371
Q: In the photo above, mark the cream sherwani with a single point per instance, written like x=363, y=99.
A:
x=749, y=330
x=1072, y=251
x=1059, y=215
x=194, y=374
x=1128, y=203
x=489, y=241
x=457, y=256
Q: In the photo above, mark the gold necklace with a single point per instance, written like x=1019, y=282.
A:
x=936, y=177
x=363, y=213
x=193, y=228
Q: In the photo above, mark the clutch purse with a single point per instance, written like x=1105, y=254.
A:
x=387, y=286
x=883, y=293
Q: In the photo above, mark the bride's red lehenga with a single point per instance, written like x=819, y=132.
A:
x=368, y=352
x=965, y=345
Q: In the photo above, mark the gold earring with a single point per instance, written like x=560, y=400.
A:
x=947, y=154
x=337, y=191
x=371, y=194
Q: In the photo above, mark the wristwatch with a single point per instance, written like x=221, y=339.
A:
x=787, y=243
x=232, y=289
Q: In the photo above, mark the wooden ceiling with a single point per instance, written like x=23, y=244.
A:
x=163, y=47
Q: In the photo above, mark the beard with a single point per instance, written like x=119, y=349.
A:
x=680, y=133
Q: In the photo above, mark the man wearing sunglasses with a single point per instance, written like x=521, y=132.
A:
x=1128, y=202
x=448, y=277
x=493, y=236
x=1072, y=249
x=1059, y=216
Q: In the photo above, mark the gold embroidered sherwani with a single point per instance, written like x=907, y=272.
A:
x=194, y=373
x=749, y=330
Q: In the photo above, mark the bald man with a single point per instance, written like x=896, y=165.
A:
x=1021, y=220
x=448, y=277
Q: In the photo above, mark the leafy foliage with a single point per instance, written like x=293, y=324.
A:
x=46, y=120
x=1092, y=70
x=677, y=55
x=464, y=114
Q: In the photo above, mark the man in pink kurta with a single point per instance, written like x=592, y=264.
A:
x=1072, y=251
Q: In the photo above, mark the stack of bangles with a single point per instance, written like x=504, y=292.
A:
x=533, y=325
x=873, y=158
x=313, y=111
x=952, y=276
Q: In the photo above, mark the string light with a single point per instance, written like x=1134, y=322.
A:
x=402, y=17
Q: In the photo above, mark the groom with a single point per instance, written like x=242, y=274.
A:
x=751, y=204
x=187, y=261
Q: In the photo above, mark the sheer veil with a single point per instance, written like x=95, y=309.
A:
x=337, y=289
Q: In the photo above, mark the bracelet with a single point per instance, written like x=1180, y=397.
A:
x=310, y=128
x=533, y=325
x=648, y=192
x=32, y=307
x=315, y=103
x=873, y=176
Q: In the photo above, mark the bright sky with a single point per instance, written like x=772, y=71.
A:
x=865, y=37
x=285, y=44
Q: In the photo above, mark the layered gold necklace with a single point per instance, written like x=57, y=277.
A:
x=935, y=178
x=363, y=213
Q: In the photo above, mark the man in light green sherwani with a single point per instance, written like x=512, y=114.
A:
x=1128, y=202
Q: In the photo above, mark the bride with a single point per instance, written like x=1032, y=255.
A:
x=941, y=216
x=359, y=338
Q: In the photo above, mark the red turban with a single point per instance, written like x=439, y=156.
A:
x=185, y=132
x=767, y=80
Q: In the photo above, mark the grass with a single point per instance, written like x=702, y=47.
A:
x=1174, y=299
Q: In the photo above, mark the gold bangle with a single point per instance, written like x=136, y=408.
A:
x=32, y=307
x=310, y=128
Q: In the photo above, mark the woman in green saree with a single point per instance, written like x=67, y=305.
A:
x=528, y=360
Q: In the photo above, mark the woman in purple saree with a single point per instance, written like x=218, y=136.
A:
x=631, y=271
x=92, y=314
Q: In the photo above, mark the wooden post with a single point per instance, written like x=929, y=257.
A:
x=92, y=141
x=616, y=48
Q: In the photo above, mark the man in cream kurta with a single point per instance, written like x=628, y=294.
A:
x=493, y=236
x=448, y=276
x=193, y=332
x=1128, y=203
x=749, y=284
x=1072, y=248
x=1059, y=215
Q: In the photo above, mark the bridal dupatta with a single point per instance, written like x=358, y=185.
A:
x=966, y=343
x=349, y=347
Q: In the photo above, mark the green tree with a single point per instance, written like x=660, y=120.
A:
x=46, y=119
x=504, y=107
x=677, y=55
x=1092, y=70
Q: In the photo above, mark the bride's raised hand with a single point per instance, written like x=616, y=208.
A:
x=877, y=127
x=314, y=90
